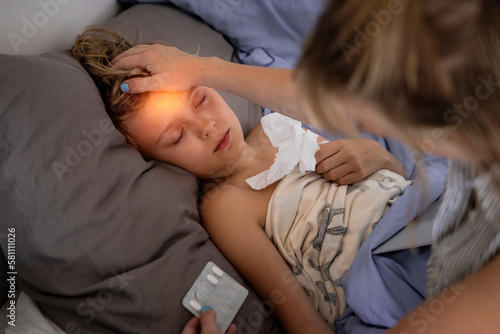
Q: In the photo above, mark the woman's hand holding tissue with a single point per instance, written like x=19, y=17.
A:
x=345, y=161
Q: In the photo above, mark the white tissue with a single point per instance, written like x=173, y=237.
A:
x=295, y=146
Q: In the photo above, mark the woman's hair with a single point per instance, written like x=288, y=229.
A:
x=95, y=49
x=425, y=63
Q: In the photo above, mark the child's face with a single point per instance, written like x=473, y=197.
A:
x=195, y=130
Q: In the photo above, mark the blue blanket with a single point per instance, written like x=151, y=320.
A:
x=381, y=289
x=264, y=33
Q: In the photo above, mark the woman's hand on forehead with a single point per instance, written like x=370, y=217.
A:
x=170, y=69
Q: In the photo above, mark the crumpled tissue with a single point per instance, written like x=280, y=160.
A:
x=295, y=146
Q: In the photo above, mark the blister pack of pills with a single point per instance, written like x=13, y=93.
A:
x=218, y=290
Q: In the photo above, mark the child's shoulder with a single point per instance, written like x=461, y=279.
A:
x=229, y=201
x=223, y=202
x=222, y=197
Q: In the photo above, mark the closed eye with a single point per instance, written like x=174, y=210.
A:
x=203, y=99
x=180, y=138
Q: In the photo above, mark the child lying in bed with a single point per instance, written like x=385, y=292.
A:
x=316, y=225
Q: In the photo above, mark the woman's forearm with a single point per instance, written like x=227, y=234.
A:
x=272, y=88
x=172, y=70
x=470, y=306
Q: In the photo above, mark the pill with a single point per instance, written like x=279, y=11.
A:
x=217, y=271
x=212, y=279
x=195, y=305
x=200, y=296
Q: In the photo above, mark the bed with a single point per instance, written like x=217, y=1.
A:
x=104, y=241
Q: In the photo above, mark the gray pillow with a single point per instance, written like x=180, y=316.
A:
x=105, y=242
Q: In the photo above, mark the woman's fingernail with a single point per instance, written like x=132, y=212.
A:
x=205, y=308
x=124, y=87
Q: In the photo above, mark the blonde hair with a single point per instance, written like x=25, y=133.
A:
x=418, y=60
x=94, y=49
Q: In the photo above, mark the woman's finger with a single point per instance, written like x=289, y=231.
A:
x=192, y=326
x=131, y=62
x=131, y=52
x=142, y=85
x=232, y=329
x=208, y=324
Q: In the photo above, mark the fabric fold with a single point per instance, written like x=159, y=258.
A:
x=318, y=227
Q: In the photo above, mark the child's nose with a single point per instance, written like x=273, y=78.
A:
x=207, y=126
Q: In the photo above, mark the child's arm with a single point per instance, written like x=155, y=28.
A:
x=230, y=220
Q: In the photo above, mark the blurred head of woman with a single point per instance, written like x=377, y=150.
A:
x=427, y=71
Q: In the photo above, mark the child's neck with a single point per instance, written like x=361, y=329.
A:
x=257, y=156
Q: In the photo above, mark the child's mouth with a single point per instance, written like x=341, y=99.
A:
x=223, y=141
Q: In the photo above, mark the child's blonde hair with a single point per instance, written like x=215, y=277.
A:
x=95, y=49
x=426, y=63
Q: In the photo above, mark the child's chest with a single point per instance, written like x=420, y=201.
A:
x=255, y=202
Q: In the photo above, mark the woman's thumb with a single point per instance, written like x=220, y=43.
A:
x=207, y=320
x=141, y=85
